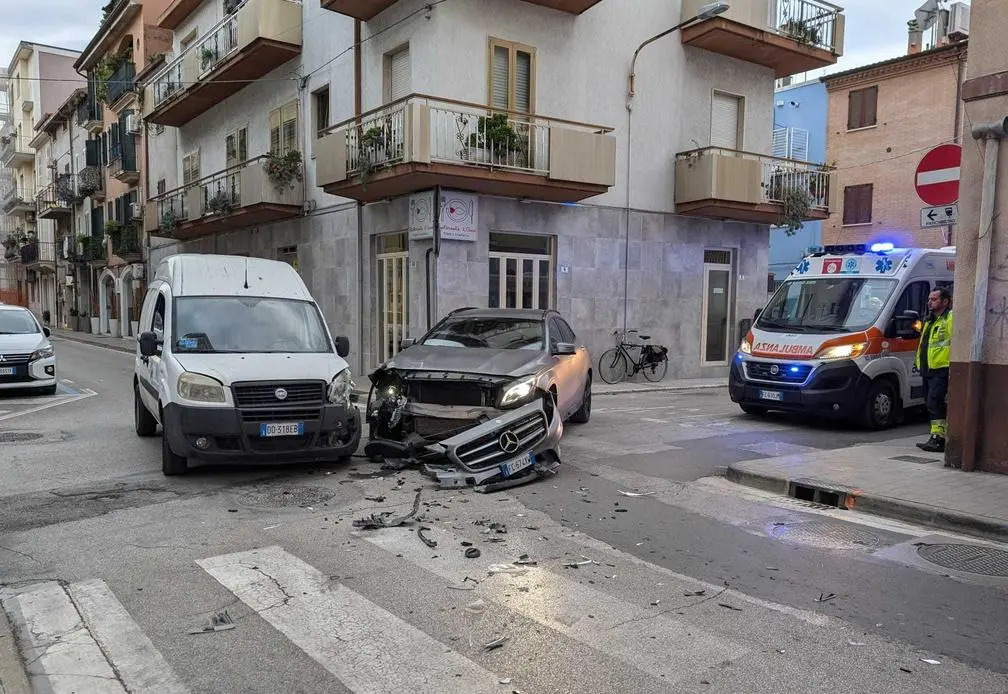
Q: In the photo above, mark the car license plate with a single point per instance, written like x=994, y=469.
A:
x=7, y=371
x=771, y=395
x=281, y=429
x=516, y=464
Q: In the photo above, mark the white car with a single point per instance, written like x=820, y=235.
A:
x=27, y=359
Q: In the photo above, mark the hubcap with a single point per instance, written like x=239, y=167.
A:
x=883, y=406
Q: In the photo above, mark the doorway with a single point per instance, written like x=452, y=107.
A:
x=392, y=282
x=718, y=308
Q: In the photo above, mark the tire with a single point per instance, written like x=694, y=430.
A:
x=171, y=464
x=583, y=413
x=613, y=366
x=143, y=420
x=881, y=406
x=754, y=410
x=656, y=372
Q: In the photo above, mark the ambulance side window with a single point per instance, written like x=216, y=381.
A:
x=914, y=298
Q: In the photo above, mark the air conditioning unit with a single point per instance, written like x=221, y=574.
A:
x=69, y=280
x=136, y=210
x=958, y=22
x=133, y=123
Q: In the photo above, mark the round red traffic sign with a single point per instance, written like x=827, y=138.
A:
x=937, y=175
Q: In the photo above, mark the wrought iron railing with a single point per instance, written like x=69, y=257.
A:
x=12, y=145
x=90, y=181
x=812, y=22
x=38, y=252
x=218, y=44
x=18, y=197
x=120, y=82
x=54, y=197
x=88, y=111
x=127, y=242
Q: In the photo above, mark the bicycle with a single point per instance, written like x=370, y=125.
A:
x=617, y=363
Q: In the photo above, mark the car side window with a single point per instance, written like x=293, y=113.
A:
x=567, y=331
x=157, y=322
x=555, y=335
x=914, y=298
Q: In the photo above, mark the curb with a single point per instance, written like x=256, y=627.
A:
x=13, y=678
x=94, y=343
x=899, y=509
x=660, y=389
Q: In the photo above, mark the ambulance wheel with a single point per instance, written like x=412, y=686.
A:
x=881, y=408
x=753, y=410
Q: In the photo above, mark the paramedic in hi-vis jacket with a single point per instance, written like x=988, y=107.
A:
x=933, y=363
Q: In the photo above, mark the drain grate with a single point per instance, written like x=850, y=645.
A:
x=824, y=534
x=18, y=436
x=287, y=496
x=915, y=459
x=974, y=559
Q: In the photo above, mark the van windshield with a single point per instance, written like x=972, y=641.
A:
x=215, y=324
x=826, y=304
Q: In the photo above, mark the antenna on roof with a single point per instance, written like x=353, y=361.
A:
x=246, y=272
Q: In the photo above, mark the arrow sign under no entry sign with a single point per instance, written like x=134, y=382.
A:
x=937, y=175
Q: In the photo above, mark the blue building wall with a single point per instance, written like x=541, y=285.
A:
x=799, y=106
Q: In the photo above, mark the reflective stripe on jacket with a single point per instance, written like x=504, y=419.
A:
x=939, y=343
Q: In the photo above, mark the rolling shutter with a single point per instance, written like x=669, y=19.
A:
x=399, y=77
x=523, y=82
x=499, y=78
x=725, y=121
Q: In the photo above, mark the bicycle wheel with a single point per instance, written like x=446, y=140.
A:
x=656, y=370
x=612, y=366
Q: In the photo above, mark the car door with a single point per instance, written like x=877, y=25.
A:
x=151, y=370
x=913, y=298
x=567, y=381
x=581, y=360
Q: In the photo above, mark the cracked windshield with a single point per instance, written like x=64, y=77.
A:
x=645, y=346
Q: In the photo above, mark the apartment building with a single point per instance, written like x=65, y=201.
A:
x=882, y=119
x=40, y=80
x=127, y=40
x=479, y=153
x=11, y=279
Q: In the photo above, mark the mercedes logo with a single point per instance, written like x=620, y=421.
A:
x=508, y=442
x=773, y=370
x=280, y=393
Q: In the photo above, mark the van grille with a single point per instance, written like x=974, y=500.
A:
x=263, y=394
x=778, y=373
x=486, y=451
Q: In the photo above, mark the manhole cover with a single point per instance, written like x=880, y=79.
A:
x=915, y=459
x=18, y=436
x=973, y=559
x=287, y=496
x=824, y=534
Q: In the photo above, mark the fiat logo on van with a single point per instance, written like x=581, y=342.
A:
x=774, y=369
x=280, y=393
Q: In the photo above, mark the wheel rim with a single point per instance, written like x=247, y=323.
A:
x=587, y=399
x=656, y=372
x=883, y=406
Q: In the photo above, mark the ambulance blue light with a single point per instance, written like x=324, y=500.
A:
x=882, y=246
x=794, y=369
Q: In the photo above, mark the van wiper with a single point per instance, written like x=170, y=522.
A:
x=827, y=328
x=764, y=323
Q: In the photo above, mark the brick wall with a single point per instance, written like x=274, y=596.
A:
x=916, y=111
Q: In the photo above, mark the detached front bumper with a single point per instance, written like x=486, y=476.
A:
x=833, y=389
x=231, y=435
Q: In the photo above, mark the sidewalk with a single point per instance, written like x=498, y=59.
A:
x=895, y=479
x=128, y=344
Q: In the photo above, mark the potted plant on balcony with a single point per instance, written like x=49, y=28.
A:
x=231, y=6
x=374, y=147
x=208, y=56
x=219, y=203
x=10, y=245
x=170, y=221
x=802, y=31
x=114, y=231
x=283, y=169
x=493, y=142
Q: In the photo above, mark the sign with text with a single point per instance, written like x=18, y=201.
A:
x=459, y=217
x=940, y=216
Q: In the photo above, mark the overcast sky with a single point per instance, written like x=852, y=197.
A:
x=876, y=29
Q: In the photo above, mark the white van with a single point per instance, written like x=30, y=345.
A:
x=236, y=363
x=839, y=337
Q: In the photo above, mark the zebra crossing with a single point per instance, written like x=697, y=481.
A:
x=544, y=608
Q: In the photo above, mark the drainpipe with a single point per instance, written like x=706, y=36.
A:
x=956, y=134
x=434, y=250
x=360, y=205
x=991, y=133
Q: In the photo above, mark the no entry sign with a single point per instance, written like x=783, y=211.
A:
x=937, y=176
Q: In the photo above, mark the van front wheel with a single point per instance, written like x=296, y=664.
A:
x=881, y=407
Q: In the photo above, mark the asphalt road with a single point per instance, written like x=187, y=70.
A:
x=781, y=596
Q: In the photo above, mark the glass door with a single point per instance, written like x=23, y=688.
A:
x=392, y=279
x=717, y=308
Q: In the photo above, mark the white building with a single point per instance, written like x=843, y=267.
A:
x=556, y=188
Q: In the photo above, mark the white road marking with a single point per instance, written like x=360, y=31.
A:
x=67, y=380
x=616, y=627
x=53, y=402
x=139, y=664
x=654, y=421
x=54, y=640
x=368, y=648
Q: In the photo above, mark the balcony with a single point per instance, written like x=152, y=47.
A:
x=746, y=187
x=91, y=183
x=15, y=150
x=122, y=164
x=38, y=253
x=366, y=10
x=790, y=36
x=125, y=238
x=18, y=201
x=419, y=142
x=259, y=37
x=120, y=83
x=237, y=197
x=56, y=199
x=89, y=115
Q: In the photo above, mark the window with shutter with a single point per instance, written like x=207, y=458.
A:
x=862, y=107
x=511, y=79
x=321, y=100
x=284, y=128
x=190, y=168
x=236, y=147
x=858, y=204
x=726, y=118
x=398, y=75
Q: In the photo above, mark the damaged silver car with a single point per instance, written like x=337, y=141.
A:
x=482, y=398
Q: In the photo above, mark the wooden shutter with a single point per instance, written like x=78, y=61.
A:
x=854, y=99
x=289, y=127
x=870, y=107
x=230, y=150
x=523, y=82
x=725, y=121
x=399, y=75
x=92, y=153
x=780, y=142
x=858, y=204
x=499, y=82
x=275, y=130
x=862, y=107
x=190, y=168
x=236, y=147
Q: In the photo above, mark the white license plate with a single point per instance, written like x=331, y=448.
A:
x=7, y=371
x=516, y=464
x=281, y=429
x=771, y=395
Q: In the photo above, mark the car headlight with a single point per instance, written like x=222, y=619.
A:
x=43, y=353
x=852, y=351
x=200, y=388
x=746, y=346
x=518, y=391
x=340, y=388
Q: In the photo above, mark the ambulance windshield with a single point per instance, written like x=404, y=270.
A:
x=826, y=304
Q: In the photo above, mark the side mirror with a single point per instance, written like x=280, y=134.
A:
x=342, y=345
x=906, y=326
x=46, y=331
x=407, y=342
x=913, y=315
x=564, y=348
x=148, y=344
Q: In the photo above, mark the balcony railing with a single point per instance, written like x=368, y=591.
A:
x=15, y=149
x=126, y=240
x=464, y=138
x=811, y=22
x=120, y=82
x=258, y=37
x=88, y=112
x=19, y=200
x=725, y=183
x=35, y=252
x=56, y=198
x=91, y=182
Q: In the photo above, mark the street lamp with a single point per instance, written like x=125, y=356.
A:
x=706, y=12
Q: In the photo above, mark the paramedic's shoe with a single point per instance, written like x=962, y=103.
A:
x=935, y=444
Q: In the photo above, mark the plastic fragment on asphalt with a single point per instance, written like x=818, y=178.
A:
x=496, y=643
x=385, y=519
x=825, y=597
x=634, y=493
x=930, y=661
x=507, y=569
x=729, y=607
x=695, y=593
x=856, y=643
x=219, y=622
x=426, y=540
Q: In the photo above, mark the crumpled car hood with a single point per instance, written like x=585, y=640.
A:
x=490, y=362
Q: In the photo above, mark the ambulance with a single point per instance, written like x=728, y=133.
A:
x=839, y=337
